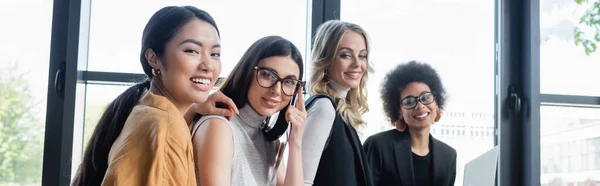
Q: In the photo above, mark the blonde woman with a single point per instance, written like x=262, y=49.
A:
x=331, y=150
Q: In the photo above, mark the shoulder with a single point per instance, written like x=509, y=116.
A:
x=388, y=135
x=321, y=109
x=215, y=126
x=320, y=102
x=444, y=148
x=213, y=135
x=321, y=105
x=208, y=119
x=146, y=119
x=382, y=138
x=212, y=118
x=144, y=132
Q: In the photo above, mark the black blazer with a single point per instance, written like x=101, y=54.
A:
x=343, y=161
x=390, y=157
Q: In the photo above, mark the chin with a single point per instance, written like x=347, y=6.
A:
x=200, y=98
x=265, y=111
x=419, y=125
x=353, y=84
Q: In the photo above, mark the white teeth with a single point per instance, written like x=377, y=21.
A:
x=201, y=81
x=353, y=74
x=422, y=115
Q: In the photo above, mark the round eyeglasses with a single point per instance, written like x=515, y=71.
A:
x=410, y=102
x=267, y=78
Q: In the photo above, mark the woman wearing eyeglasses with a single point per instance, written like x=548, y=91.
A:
x=413, y=97
x=239, y=152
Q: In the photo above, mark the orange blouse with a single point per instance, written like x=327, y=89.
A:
x=154, y=147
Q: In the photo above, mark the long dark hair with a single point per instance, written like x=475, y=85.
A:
x=236, y=86
x=159, y=30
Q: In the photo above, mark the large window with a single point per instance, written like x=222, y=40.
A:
x=449, y=35
x=25, y=49
x=565, y=67
x=570, y=145
x=116, y=28
x=570, y=141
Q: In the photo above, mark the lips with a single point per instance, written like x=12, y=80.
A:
x=201, y=83
x=270, y=103
x=354, y=75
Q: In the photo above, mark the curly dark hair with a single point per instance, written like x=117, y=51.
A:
x=404, y=74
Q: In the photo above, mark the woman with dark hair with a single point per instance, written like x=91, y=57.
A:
x=143, y=138
x=413, y=97
x=239, y=152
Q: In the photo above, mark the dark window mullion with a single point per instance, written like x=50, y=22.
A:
x=62, y=78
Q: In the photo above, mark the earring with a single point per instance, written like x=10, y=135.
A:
x=156, y=72
x=325, y=77
x=400, y=125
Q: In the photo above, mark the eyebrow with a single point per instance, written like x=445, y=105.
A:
x=425, y=91
x=346, y=48
x=198, y=43
x=275, y=71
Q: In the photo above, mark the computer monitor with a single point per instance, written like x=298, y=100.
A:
x=482, y=170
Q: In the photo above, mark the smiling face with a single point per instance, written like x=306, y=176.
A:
x=350, y=63
x=268, y=101
x=191, y=62
x=422, y=115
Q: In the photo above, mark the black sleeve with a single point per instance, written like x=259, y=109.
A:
x=373, y=153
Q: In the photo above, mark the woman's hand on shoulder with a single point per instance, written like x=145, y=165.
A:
x=216, y=104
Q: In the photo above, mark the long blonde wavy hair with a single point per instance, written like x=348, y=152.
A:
x=326, y=43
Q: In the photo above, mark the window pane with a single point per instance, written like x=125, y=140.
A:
x=565, y=68
x=97, y=99
x=569, y=145
x=25, y=48
x=240, y=23
x=448, y=35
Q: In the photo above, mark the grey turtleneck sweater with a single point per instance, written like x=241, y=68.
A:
x=253, y=156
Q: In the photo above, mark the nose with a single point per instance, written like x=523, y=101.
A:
x=276, y=89
x=206, y=62
x=355, y=61
x=420, y=105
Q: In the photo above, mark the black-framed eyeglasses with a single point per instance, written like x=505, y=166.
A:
x=267, y=78
x=410, y=102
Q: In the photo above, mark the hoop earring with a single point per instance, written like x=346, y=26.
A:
x=156, y=72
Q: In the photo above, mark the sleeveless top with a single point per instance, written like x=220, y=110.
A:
x=253, y=156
